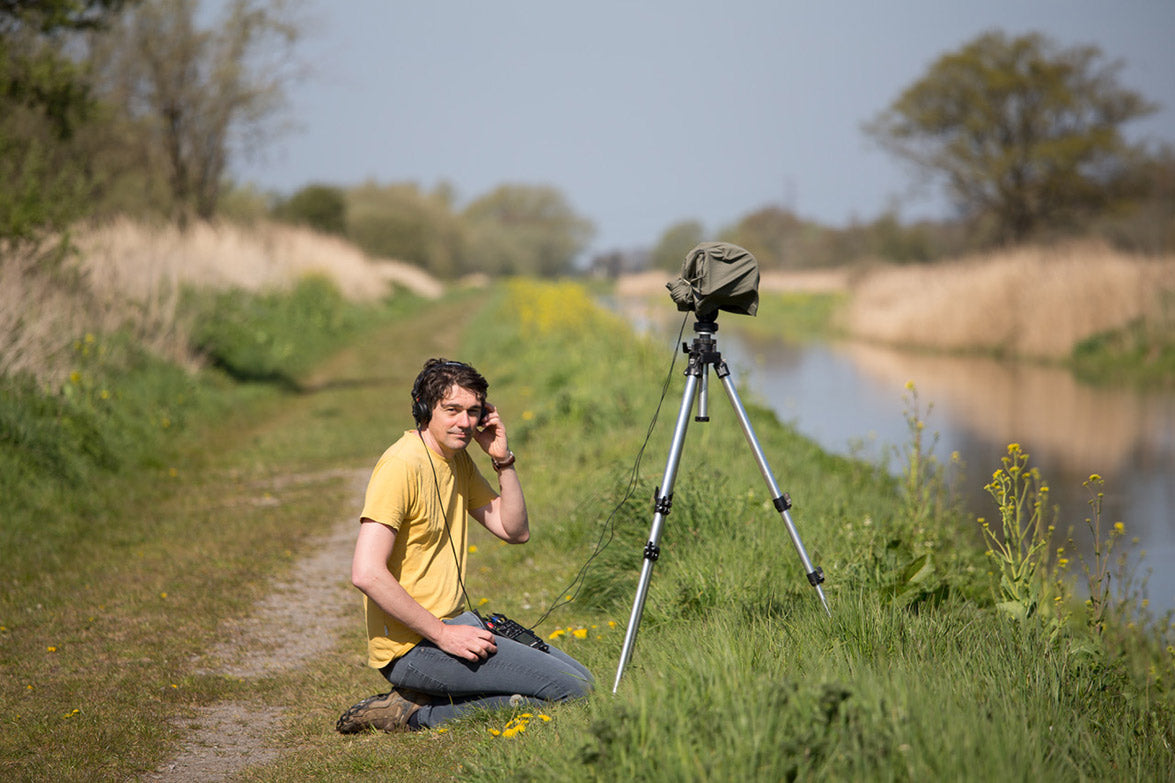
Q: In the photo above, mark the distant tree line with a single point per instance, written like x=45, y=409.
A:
x=515, y=229
x=1026, y=139
x=140, y=107
x=131, y=106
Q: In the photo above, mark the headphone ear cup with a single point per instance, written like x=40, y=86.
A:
x=420, y=412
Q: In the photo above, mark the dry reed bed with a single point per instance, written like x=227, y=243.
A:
x=1031, y=302
x=132, y=275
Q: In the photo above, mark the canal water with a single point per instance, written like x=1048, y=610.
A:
x=851, y=398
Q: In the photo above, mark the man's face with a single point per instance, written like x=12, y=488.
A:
x=453, y=421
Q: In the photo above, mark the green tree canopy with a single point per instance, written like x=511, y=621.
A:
x=204, y=93
x=321, y=207
x=1027, y=135
x=402, y=222
x=45, y=97
x=675, y=243
x=525, y=229
x=774, y=236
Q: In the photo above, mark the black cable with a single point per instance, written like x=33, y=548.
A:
x=448, y=530
x=609, y=526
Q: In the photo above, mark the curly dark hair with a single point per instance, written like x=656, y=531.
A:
x=437, y=377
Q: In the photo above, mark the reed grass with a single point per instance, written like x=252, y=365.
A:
x=1031, y=302
x=130, y=277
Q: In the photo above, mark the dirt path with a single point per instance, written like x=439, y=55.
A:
x=228, y=737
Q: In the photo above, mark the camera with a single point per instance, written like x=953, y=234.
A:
x=717, y=276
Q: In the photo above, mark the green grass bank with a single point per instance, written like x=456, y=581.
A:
x=140, y=558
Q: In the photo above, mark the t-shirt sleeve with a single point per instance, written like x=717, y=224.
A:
x=389, y=494
x=480, y=491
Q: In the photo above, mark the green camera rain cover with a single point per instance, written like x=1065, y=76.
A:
x=717, y=276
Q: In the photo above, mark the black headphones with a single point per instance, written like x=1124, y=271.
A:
x=421, y=410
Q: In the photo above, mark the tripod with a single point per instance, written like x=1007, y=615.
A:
x=703, y=353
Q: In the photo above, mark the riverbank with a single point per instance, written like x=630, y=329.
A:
x=731, y=631
x=1101, y=312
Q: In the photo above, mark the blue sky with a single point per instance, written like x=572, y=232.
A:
x=645, y=113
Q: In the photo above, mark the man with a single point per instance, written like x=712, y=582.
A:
x=409, y=562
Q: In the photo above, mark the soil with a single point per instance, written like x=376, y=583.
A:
x=226, y=738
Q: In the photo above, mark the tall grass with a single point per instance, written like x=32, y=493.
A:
x=98, y=359
x=1029, y=302
x=131, y=277
x=738, y=674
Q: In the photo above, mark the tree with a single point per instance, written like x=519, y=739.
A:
x=675, y=243
x=205, y=93
x=773, y=235
x=1027, y=135
x=402, y=222
x=45, y=98
x=525, y=229
x=321, y=207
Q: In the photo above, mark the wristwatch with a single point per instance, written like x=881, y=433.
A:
x=500, y=466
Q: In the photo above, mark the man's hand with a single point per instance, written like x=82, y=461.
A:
x=467, y=641
x=491, y=434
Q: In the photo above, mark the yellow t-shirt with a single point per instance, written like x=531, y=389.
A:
x=430, y=514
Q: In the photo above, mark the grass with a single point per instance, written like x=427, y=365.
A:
x=737, y=673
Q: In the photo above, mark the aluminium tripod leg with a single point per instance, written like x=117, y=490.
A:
x=661, y=510
x=780, y=499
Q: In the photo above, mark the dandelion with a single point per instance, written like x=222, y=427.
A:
x=483, y=602
x=163, y=595
x=555, y=634
x=612, y=623
x=51, y=649
x=1119, y=528
x=527, y=415
x=580, y=633
x=473, y=549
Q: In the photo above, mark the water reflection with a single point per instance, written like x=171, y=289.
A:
x=849, y=398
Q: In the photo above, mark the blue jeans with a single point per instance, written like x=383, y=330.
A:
x=461, y=686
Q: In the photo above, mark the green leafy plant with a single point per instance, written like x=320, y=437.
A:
x=1019, y=547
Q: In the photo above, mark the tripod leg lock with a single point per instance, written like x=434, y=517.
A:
x=652, y=551
x=782, y=503
x=662, y=503
x=816, y=578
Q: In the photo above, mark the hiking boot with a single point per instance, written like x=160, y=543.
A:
x=385, y=711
